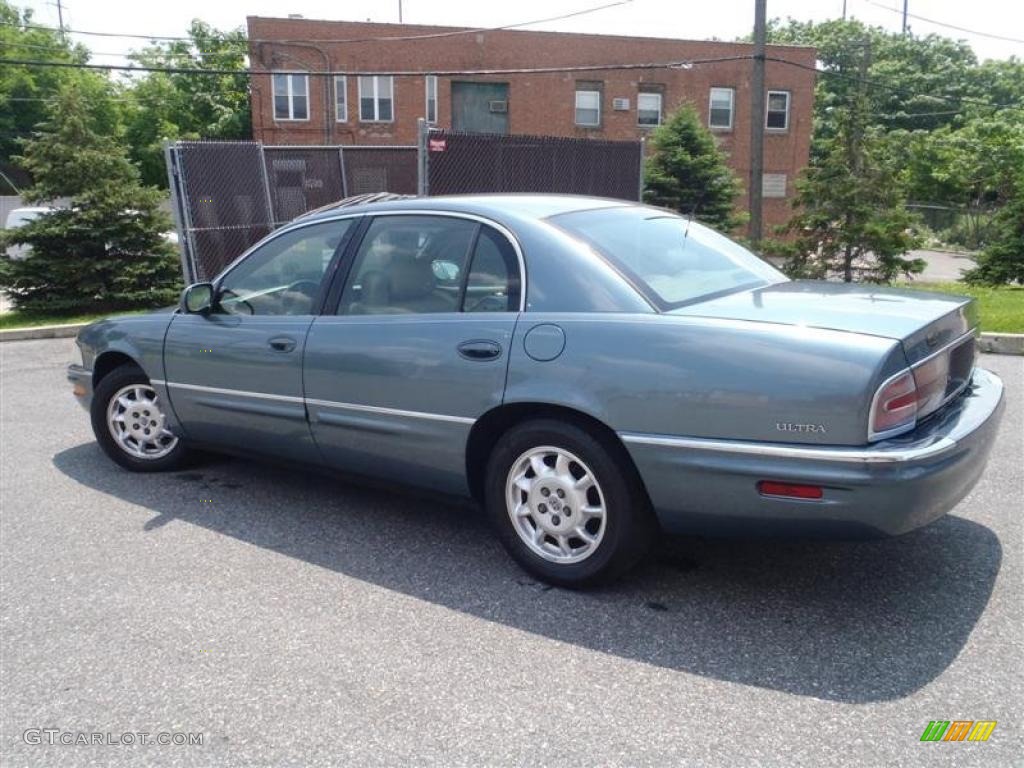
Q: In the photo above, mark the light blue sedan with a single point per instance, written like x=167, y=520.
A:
x=591, y=371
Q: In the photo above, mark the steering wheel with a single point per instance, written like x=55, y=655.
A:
x=307, y=287
x=238, y=302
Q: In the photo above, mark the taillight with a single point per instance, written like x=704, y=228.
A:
x=931, y=378
x=895, y=405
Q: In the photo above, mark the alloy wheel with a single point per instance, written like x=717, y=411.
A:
x=556, y=505
x=137, y=423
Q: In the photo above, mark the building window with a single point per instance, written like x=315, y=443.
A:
x=721, y=109
x=588, y=106
x=776, y=116
x=431, y=99
x=291, y=96
x=648, y=109
x=341, y=98
x=376, y=99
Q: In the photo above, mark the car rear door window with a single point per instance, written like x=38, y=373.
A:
x=492, y=284
x=409, y=264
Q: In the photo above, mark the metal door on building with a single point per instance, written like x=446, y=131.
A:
x=480, y=107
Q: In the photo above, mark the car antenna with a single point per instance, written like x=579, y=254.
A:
x=689, y=218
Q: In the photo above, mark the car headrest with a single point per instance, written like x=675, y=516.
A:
x=375, y=290
x=411, y=278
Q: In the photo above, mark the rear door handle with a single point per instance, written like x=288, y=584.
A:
x=282, y=344
x=480, y=350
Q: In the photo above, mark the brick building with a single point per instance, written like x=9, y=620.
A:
x=298, y=106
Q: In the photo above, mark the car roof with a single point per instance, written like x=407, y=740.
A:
x=495, y=206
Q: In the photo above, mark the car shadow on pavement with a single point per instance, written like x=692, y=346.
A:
x=844, y=621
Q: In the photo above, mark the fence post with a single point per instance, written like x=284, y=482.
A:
x=266, y=188
x=180, y=213
x=640, y=172
x=344, y=180
x=422, y=162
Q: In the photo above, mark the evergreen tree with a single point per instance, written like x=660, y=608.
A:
x=1003, y=260
x=687, y=172
x=851, y=214
x=105, y=250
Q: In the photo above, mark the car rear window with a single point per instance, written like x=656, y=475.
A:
x=672, y=261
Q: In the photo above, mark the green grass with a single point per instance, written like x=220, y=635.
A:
x=1001, y=309
x=16, y=319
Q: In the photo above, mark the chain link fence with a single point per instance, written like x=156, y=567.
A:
x=466, y=163
x=219, y=200
x=227, y=195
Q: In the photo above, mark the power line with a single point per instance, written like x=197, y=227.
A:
x=680, y=64
x=56, y=49
x=377, y=39
x=891, y=88
x=944, y=24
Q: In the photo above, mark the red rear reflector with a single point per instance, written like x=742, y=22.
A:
x=789, y=490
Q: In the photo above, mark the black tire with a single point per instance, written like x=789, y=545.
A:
x=629, y=522
x=123, y=376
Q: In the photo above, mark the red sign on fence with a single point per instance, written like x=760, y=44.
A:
x=438, y=145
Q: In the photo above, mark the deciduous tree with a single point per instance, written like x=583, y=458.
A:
x=188, y=105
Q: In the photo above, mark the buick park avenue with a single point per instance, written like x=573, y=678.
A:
x=592, y=372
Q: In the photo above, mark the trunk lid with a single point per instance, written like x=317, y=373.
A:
x=921, y=321
x=934, y=329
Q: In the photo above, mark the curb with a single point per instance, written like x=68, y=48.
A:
x=991, y=343
x=42, y=332
x=1002, y=343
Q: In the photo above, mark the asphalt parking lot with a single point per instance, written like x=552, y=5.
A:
x=297, y=620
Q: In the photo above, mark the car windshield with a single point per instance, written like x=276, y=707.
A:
x=671, y=261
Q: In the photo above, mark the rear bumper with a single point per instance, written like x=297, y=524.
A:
x=81, y=380
x=888, y=488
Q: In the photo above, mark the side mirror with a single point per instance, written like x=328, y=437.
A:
x=197, y=299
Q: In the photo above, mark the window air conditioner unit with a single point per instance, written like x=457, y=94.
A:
x=620, y=105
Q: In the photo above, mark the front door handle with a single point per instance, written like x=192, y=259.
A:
x=480, y=350
x=282, y=344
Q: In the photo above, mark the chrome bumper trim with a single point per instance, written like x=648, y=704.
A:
x=893, y=453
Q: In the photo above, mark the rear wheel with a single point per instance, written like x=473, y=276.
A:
x=130, y=423
x=567, y=506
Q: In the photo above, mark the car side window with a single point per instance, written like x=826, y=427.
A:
x=284, y=276
x=493, y=281
x=409, y=264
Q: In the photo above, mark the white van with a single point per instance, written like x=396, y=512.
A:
x=19, y=217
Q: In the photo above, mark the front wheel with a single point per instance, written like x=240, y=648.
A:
x=569, y=507
x=130, y=424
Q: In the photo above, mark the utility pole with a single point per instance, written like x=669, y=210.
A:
x=757, y=122
x=855, y=152
x=60, y=19
x=905, y=16
x=400, y=12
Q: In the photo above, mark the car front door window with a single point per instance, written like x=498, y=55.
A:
x=284, y=276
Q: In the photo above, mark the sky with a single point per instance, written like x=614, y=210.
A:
x=688, y=19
